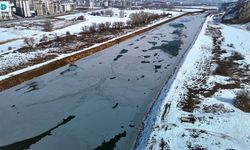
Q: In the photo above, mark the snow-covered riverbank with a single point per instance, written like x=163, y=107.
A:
x=198, y=111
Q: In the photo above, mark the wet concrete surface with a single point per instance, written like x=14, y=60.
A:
x=103, y=97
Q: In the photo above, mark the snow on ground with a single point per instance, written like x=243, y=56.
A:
x=242, y=26
x=239, y=38
x=215, y=124
x=12, y=33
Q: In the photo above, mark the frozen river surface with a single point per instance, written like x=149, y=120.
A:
x=98, y=102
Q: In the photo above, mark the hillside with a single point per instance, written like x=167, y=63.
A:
x=237, y=12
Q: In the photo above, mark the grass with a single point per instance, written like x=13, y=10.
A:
x=242, y=100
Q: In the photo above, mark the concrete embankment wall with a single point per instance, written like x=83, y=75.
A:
x=28, y=75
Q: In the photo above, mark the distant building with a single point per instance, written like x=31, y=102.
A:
x=22, y=8
x=48, y=7
x=45, y=7
x=67, y=5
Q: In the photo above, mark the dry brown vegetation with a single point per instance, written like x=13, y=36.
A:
x=226, y=66
x=242, y=100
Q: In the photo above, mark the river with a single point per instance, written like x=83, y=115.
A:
x=100, y=101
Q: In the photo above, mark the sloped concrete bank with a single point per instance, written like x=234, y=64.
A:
x=150, y=117
x=57, y=63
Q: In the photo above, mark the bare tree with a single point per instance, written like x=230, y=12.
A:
x=67, y=36
x=45, y=38
x=121, y=13
x=129, y=23
x=30, y=42
x=107, y=25
x=47, y=26
x=121, y=25
x=85, y=29
x=101, y=27
x=93, y=28
x=115, y=25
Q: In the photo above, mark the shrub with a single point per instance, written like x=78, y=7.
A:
x=242, y=100
x=67, y=33
x=230, y=45
x=95, y=14
x=237, y=56
x=47, y=26
x=81, y=17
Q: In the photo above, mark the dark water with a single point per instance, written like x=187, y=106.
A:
x=98, y=102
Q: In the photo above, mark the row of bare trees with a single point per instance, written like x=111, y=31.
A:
x=108, y=12
x=136, y=19
x=142, y=18
x=102, y=27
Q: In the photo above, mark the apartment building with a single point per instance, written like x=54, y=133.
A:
x=22, y=8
